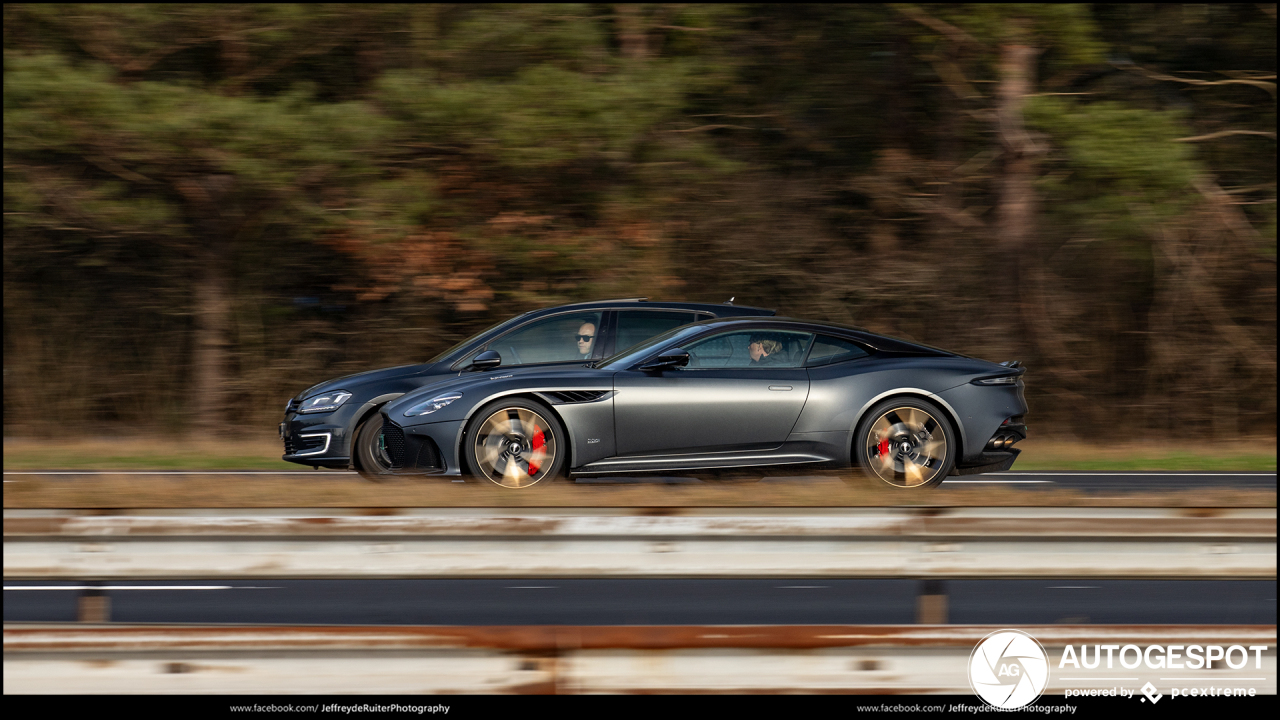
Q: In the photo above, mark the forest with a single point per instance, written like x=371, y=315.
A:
x=209, y=207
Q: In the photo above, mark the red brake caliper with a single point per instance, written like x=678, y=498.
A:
x=884, y=447
x=538, y=443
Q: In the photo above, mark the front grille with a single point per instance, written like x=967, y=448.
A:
x=393, y=436
x=577, y=396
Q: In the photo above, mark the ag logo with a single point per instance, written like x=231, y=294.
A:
x=1008, y=669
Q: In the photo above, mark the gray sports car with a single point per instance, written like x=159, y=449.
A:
x=723, y=396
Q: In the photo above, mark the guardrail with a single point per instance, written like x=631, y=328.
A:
x=557, y=659
x=932, y=543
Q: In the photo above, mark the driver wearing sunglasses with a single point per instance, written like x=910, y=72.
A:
x=586, y=339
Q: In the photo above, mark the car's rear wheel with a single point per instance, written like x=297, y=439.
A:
x=906, y=443
x=516, y=443
x=370, y=450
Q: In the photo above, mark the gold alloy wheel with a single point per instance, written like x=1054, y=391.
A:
x=515, y=447
x=906, y=447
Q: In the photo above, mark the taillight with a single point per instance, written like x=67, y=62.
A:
x=999, y=380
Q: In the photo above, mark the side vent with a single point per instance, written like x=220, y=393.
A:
x=429, y=456
x=577, y=396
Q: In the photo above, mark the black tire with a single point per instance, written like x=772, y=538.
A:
x=907, y=443
x=515, y=443
x=368, y=452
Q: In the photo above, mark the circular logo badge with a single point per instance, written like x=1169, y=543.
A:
x=1008, y=669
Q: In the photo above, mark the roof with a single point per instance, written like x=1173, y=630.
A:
x=876, y=340
x=720, y=309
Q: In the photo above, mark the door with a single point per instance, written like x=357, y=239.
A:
x=742, y=390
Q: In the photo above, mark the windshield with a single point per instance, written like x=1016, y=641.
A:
x=475, y=338
x=638, y=351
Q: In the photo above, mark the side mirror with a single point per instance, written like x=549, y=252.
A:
x=669, y=360
x=487, y=360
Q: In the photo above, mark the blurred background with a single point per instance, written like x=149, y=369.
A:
x=208, y=208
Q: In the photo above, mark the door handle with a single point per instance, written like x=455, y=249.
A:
x=779, y=387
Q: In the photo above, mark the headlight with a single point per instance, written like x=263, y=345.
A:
x=327, y=402
x=432, y=405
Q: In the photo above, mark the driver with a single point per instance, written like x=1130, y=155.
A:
x=586, y=339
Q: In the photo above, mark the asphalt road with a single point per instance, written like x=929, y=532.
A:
x=651, y=601
x=1117, y=481
x=1121, y=482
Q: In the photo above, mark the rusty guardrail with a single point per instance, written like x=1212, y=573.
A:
x=560, y=659
x=857, y=542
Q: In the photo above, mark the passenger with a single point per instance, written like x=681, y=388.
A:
x=586, y=339
x=765, y=351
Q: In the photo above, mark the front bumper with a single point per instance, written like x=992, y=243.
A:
x=318, y=444
x=429, y=449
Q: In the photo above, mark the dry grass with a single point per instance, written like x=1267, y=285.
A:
x=335, y=489
x=1242, y=455
x=144, y=453
x=332, y=489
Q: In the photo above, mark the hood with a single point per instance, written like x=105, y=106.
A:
x=351, y=382
x=481, y=381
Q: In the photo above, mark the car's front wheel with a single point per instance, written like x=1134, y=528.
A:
x=370, y=450
x=907, y=443
x=515, y=443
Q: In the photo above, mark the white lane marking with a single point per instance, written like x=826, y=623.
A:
x=140, y=587
x=1000, y=482
x=1090, y=678
x=1233, y=679
x=532, y=587
x=1089, y=473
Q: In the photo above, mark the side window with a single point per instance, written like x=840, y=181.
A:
x=767, y=348
x=559, y=338
x=827, y=350
x=636, y=326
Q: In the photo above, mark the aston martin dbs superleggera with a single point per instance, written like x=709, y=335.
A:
x=722, y=396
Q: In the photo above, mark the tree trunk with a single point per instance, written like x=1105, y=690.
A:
x=211, y=346
x=1016, y=213
x=215, y=222
x=632, y=35
x=950, y=203
x=423, y=34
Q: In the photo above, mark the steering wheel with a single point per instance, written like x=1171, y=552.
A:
x=515, y=355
